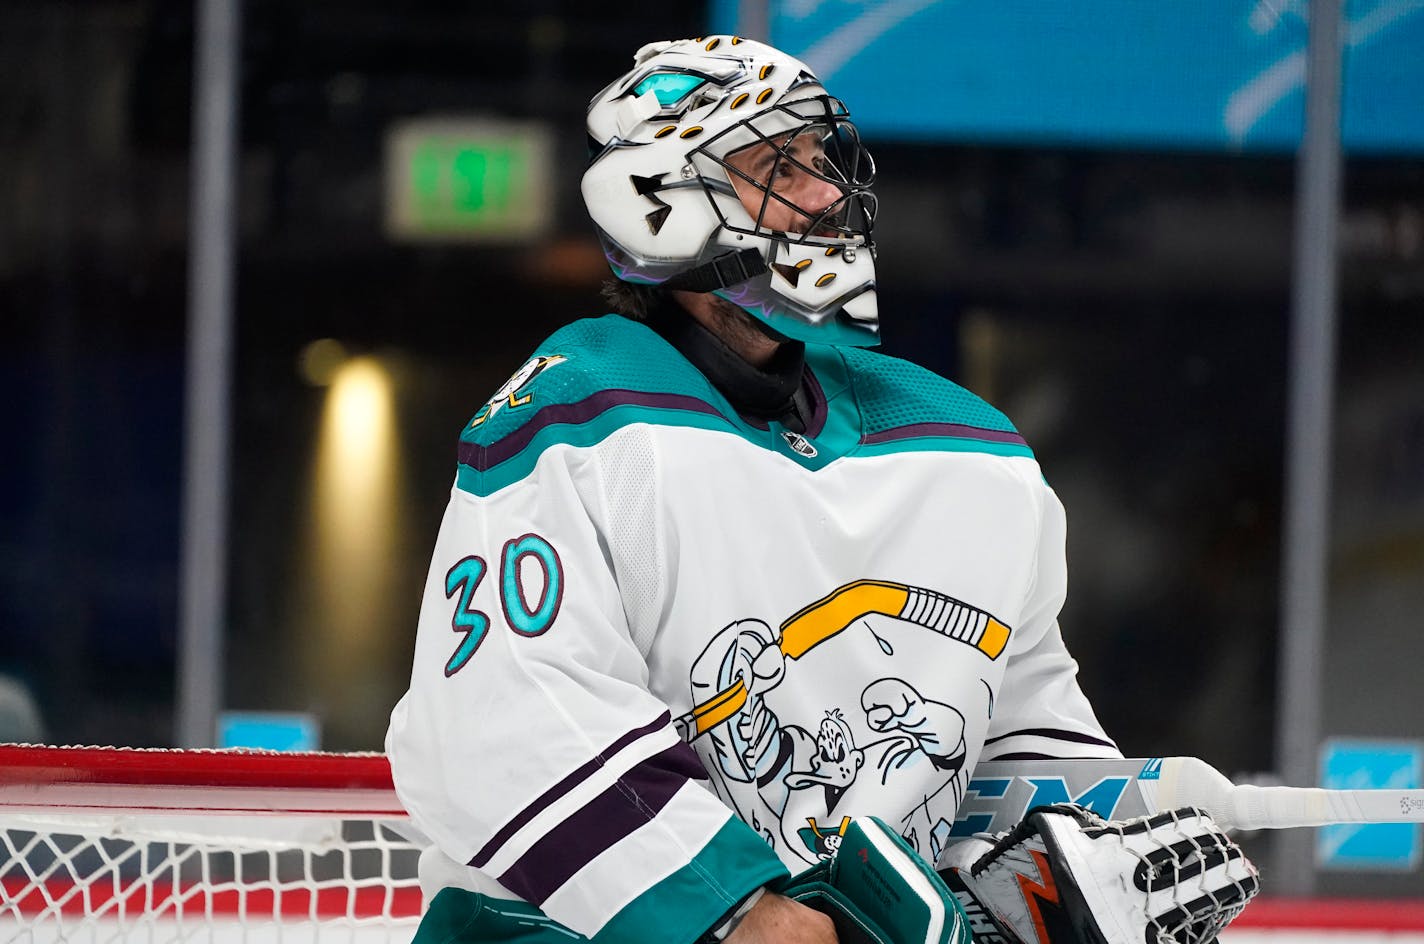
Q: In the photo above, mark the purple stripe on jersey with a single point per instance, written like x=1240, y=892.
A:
x=630, y=803
x=819, y=408
x=482, y=458
x=956, y=430
x=1077, y=737
x=564, y=786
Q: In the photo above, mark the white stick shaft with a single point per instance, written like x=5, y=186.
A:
x=1001, y=792
x=1284, y=807
x=1187, y=781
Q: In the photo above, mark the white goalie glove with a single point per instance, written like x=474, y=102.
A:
x=1066, y=876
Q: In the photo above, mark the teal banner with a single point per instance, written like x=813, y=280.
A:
x=1193, y=74
x=1364, y=765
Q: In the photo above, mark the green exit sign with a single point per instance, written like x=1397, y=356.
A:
x=458, y=179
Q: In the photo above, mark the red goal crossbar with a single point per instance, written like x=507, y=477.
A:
x=38, y=779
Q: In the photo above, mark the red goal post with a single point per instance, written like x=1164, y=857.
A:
x=100, y=844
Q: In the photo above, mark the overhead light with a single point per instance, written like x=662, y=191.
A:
x=320, y=360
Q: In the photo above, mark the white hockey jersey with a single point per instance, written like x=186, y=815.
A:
x=665, y=653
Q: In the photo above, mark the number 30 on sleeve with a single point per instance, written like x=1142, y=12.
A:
x=523, y=616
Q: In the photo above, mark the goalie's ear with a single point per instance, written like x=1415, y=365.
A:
x=1066, y=875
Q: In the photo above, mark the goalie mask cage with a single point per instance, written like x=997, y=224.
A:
x=116, y=844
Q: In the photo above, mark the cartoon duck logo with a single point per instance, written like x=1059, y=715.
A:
x=823, y=840
x=511, y=392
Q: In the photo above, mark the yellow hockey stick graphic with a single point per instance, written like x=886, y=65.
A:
x=838, y=610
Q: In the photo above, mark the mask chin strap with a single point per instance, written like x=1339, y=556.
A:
x=732, y=268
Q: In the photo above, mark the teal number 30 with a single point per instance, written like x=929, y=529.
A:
x=523, y=616
x=465, y=577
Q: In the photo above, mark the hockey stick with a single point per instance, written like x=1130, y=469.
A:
x=834, y=613
x=1001, y=792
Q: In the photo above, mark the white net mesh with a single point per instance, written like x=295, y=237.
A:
x=139, y=879
x=158, y=875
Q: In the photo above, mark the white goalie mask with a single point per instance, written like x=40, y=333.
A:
x=699, y=157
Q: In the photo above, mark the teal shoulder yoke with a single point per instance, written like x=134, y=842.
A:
x=582, y=383
x=904, y=406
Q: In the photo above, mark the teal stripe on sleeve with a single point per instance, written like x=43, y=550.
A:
x=457, y=916
x=674, y=910
x=736, y=862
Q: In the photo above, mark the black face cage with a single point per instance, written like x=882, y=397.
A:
x=845, y=163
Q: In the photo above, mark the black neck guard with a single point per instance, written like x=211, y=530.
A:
x=763, y=393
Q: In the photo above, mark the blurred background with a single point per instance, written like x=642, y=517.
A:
x=1087, y=216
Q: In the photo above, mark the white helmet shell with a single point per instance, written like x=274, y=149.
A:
x=661, y=194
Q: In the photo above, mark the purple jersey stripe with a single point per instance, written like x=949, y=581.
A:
x=1077, y=737
x=564, y=786
x=630, y=803
x=482, y=458
x=820, y=409
x=955, y=430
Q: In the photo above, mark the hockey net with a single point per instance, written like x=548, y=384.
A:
x=105, y=844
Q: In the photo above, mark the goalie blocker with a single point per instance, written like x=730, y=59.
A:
x=1066, y=876
x=877, y=890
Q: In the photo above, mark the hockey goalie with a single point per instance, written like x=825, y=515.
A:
x=726, y=608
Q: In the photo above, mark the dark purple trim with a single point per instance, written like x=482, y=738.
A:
x=481, y=458
x=1077, y=737
x=630, y=803
x=955, y=430
x=563, y=787
x=819, y=408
